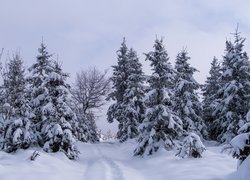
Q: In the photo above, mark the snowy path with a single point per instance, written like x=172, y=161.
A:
x=116, y=162
x=95, y=170
x=114, y=170
x=102, y=167
x=105, y=161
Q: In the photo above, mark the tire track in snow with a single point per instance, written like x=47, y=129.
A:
x=115, y=171
x=131, y=172
x=95, y=171
x=96, y=168
x=100, y=167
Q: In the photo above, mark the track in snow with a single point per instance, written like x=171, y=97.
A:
x=102, y=167
x=95, y=171
x=116, y=172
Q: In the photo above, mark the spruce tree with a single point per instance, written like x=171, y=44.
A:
x=117, y=111
x=234, y=92
x=132, y=105
x=161, y=125
x=210, y=99
x=53, y=119
x=239, y=146
x=120, y=76
x=136, y=89
x=38, y=92
x=191, y=147
x=58, y=127
x=119, y=80
x=186, y=99
x=17, y=132
x=86, y=127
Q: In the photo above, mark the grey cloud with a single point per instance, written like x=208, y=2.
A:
x=85, y=32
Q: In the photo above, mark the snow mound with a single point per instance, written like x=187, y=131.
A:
x=243, y=173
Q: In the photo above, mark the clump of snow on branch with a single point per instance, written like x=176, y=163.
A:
x=191, y=147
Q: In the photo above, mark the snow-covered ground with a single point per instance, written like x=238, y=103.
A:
x=114, y=161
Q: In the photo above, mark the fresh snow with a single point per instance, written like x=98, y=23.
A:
x=242, y=173
x=239, y=142
x=115, y=161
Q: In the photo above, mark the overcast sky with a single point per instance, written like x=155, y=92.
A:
x=85, y=33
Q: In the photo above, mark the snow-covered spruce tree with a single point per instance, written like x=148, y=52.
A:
x=120, y=76
x=119, y=81
x=160, y=125
x=186, y=100
x=126, y=93
x=234, y=92
x=136, y=89
x=210, y=99
x=5, y=110
x=52, y=117
x=17, y=132
x=38, y=92
x=132, y=106
x=86, y=127
x=240, y=145
x=191, y=147
x=57, y=129
x=92, y=136
x=1, y=98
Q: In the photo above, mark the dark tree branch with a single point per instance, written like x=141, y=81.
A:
x=90, y=89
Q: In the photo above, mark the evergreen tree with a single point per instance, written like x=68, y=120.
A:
x=160, y=125
x=239, y=146
x=17, y=132
x=53, y=119
x=119, y=80
x=210, y=99
x=86, y=127
x=187, y=104
x=120, y=76
x=58, y=128
x=1, y=99
x=38, y=92
x=136, y=89
x=124, y=109
x=191, y=147
x=132, y=105
x=234, y=92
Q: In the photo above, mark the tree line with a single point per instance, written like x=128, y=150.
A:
x=159, y=110
x=42, y=110
x=164, y=109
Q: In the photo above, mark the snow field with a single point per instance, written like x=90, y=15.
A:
x=115, y=161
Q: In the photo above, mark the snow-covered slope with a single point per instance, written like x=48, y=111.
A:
x=115, y=161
